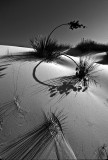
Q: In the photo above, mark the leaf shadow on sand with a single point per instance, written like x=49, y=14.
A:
x=2, y=68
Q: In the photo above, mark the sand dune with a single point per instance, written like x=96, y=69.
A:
x=12, y=49
x=87, y=121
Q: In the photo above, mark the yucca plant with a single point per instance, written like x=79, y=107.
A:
x=86, y=72
x=32, y=144
x=48, y=50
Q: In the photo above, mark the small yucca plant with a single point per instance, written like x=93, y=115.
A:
x=86, y=72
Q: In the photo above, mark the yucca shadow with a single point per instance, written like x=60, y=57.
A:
x=2, y=68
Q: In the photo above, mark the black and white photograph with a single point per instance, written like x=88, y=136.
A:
x=54, y=80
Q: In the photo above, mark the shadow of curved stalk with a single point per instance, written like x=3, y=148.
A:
x=62, y=86
x=45, y=60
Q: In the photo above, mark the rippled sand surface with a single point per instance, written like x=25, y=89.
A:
x=87, y=112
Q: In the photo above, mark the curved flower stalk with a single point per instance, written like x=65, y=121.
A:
x=72, y=25
x=34, y=143
x=44, y=48
x=47, y=49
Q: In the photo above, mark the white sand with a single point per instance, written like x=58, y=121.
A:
x=87, y=122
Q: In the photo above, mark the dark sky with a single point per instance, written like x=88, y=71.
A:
x=21, y=20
